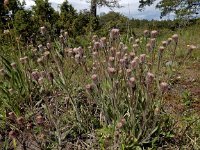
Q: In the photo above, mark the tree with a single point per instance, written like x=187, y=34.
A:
x=107, y=3
x=67, y=16
x=23, y=23
x=182, y=8
x=43, y=12
x=8, y=8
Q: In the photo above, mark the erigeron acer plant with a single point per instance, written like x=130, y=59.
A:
x=128, y=89
x=45, y=105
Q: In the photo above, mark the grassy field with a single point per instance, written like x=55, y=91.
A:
x=113, y=92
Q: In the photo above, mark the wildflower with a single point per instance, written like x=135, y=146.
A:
x=50, y=76
x=40, y=47
x=142, y=58
x=6, y=2
x=149, y=78
x=95, y=38
x=40, y=80
x=114, y=34
x=169, y=40
x=164, y=43
x=80, y=51
x=66, y=35
x=77, y=58
x=161, y=49
x=134, y=64
x=39, y=120
x=132, y=55
x=40, y=60
x=154, y=34
x=12, y=134
x=96, y=46
x=163, y=87
x=35, y=75
x=156, y=111
x=137, y=41
x=14, y=65
x=135, y=47
x=29, y=126
x=6, y=32
x=175, y=38
x=103, y=42
x=149, y=48
x=2, y=72
x=121, y=45
x=24, y=60
x=46, y=54
x=10, y=91
x=128, y=72
x=146, y=33
x=191, y=48
x=118, y=55
x=111, y=61
x=131, y=40
x=11, y=116
x=42, y=30
x=95, y=55
x=20, y=120
x=95, y=78
x=89, y=88
x=112, y=51
x=153, y=42
x=111, y=71
x=48, y=46
x=62, y=31
x=131, y=82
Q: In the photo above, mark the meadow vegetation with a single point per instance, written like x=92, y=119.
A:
x=103, y=82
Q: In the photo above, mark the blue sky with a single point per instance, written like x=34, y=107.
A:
x=129, y=9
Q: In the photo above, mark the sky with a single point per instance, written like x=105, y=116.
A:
x=129, y=9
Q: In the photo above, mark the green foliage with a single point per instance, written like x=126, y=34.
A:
x=23, y=23
x=182, y=8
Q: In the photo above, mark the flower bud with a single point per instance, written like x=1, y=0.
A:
x=11, y=116
x=42, y=30
x=111, y=61
x=24, y=60
x=175, y=38
x=142, y=58
x=95, y=78
x=12, y=134
x=89, y=88
x=153, y=42
x=96, y=46
x=35, y=75
x=163, y=87
x=164, y=43
x=111, y=71
x=154, y=34
x=131, y=82
x=128, y=73
x=20, y=120
x=114, y=34
x=146, y=33
x=39, y=120
x=191, y=48
x=149, y=47
x=14, y=65
x=161, y=49
x=48, y=46
x=149, y=78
